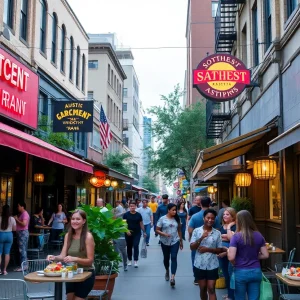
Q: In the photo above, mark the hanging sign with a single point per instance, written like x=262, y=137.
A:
x=73, y=116
x=221, y=77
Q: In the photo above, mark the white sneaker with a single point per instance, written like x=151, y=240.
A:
x=129, y=263
x=136, y=264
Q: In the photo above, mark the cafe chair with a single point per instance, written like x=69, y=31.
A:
x=291, y=257
x=13, y=289
x=103, y=267
x=35, y=252
x=283, y=290
x=29, y=266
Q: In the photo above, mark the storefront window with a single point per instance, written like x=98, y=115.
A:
x=275, y=199
x=6, y=190
x=81, y=195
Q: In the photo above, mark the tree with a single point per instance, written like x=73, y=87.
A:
x=180, y=133
x=58, y=139
x=150, y=184
x=119, y=162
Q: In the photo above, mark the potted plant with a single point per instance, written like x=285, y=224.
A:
x=242, y=203
x=104, y=228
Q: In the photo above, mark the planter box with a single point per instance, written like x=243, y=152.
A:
x=100, y=283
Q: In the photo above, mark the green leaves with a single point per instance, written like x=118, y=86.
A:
x=150, y=184
x=180, y=134
x=118, y=162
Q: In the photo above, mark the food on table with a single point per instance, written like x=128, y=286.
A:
x=293, y=272
x=55, y=268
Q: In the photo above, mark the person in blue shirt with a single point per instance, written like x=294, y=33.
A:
x=162, y=209
x=197, y=221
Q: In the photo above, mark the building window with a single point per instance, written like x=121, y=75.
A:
x=112, y=78
x=135, y=168
x=77, y=66
x=268, y=24
x=124, y=106
x=275, y=199
x=43, y=26
x=71, y=57
x=135, y=85
x=117, y=87
x=8, y=15
x=83, y=73
x=23, y=19
x=43, y=107
x=95, y=138
x=255, y=36
x=93, y=64
x=244, y=45
x=125, y=140
x=115, y=82
x=63, y=48
x=90, y=95
x=54, y=35
x=291, y=6
x=125, y=92
x=214, y=8
x=108, y=73
x=6, y=190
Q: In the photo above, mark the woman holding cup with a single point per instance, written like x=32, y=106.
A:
x=79, y=247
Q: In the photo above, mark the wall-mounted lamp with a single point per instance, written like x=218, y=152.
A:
x=38, y=177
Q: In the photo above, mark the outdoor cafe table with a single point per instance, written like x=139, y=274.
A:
x=58, y=281
x=288, y=282
x=276, y=251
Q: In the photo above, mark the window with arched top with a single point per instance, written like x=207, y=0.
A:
x=63, y=48
x=8, y=13
x=43, y=26
x=71, y=58
x=24, y=19
x=54, y=38
x=77, y=66
x=83, y=73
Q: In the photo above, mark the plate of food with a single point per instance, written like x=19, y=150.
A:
x=293, y=273
x=53, y=270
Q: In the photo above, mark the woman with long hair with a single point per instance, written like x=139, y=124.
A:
x=182, y=213
x=247, y=247
x=7, y=226
x=59, y=220
x=227, y=230
x=169, y=229
x=79, y=247
x=208, y=244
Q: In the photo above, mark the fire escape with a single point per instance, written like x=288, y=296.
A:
x=225, y=32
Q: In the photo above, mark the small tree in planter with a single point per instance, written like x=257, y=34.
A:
x=242, y=203
x=104, y=228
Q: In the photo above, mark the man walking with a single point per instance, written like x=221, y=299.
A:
x=101, y=204
x=147, y=216
x=153, y=206
x=196, y=208
x=162, y=209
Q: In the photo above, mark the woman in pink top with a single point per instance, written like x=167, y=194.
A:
x=22, y=221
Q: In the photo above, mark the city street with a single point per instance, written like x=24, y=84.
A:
x=147, y=282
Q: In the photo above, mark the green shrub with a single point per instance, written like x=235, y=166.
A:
x=242, y=203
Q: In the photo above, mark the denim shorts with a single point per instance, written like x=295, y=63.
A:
x=81, y=289
x=6, y=240
x=206, y=274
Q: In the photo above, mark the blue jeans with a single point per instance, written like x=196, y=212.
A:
x=170, y=251
x=6, y=240
x=227, y=268
x=247, y=281
x=193, y=254
x=154, y=222
x=147, y=229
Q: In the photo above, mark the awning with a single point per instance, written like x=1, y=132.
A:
x=285, y=140
x=199, y=189
x=218, y=154
x=220, y=173
x=24, y=142
x=120, y=176
x=138, y=188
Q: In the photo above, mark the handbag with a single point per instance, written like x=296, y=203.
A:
x=266, y=292
x=144, y=249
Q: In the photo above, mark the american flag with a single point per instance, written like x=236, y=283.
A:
x=105, y=133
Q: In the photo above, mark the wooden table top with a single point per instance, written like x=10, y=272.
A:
x=34, y=277
x=287, y=281
x=276, y=251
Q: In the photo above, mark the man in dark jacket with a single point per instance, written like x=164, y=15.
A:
x=162, y=209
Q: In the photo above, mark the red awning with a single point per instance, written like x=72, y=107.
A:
x=24, y=142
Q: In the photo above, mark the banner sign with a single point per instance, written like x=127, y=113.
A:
x=19, y=89
x=73, y=116
x=221, y=77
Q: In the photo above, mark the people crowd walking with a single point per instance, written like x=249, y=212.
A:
x=147, y=217
x=153, y=206
x=182, y=213
x=58, y=220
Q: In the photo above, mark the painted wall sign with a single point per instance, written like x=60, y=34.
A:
x=19, y=89
x=221, y=77
x=73, y=116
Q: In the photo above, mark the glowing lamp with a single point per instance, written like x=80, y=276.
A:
x=114, y=183
x=38, y=177
x=243, y=179
x=265, y=169
x=107, y=182
x=211, y=189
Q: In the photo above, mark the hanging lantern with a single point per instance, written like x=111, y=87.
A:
x=215, y=189
x=38, y=177
x=114, y=183
x=94, y=180
x=211, y=189
x=243, y=179
x=107, y=182
x=265, y=169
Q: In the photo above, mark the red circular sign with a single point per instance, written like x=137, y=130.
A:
x=221, y=77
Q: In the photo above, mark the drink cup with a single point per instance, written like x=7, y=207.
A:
x=63, y=274
x=70, y=274
x=80, y=270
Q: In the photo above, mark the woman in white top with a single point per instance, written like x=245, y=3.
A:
x=7, y=225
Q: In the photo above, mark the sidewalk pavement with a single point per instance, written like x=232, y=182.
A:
x=147, y=282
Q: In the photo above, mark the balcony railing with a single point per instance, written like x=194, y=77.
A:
x=225, y=32
x=215, y=119
x=125, y=124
